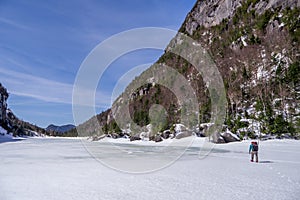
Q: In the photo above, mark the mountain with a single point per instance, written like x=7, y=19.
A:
x=60, y=129
x=10, y=123
x=254, y=47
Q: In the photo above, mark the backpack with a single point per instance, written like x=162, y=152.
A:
x=255, y=147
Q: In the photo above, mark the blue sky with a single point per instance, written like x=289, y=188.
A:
x=43, y=43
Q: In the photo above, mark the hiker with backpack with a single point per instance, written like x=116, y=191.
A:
x=253, y=149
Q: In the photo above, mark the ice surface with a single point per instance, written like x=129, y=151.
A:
x=46, y=168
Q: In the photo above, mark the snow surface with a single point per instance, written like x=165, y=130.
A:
x=4, y=136
x=47, y=168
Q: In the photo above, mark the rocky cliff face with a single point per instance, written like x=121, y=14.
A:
x=12, y=124
x=256, y=49
x=255, y=46
x=210, y=13
x=3, y=103
x=59, y=130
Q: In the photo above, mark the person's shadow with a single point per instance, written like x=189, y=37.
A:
x=266, y=161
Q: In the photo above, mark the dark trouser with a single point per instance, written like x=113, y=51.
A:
x=256, y=155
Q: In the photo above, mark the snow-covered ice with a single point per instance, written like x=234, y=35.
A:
x=47, y=168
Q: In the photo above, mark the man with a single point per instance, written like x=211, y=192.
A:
x=253, y=149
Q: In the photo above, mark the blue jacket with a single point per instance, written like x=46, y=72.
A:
x=251, y=148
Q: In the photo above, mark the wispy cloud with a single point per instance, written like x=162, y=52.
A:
x=26, y=85
x=30, y=86
x=14, y=24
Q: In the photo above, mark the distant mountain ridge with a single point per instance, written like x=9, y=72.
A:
x=60, y=129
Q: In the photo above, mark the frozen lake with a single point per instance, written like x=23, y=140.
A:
x=55, y=168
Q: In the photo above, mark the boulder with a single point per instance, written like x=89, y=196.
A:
x=179, y=128
x=166, y=134
x=135, y=137
x=171, y=136
x=184, y=134
x=200, y=134
x=284, y=136
x=126, y=135
x=122, y=134
x=228, y=136
x=97, y=138
x=113, y=135
x=144, y=135
x=156, y=138
x=219, y=140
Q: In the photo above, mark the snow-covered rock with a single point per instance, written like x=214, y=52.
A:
x=179, y=128
x=156, y=138
x=219, y=140
x=184, y=134
x=144, y=136
x=135, y=137
x=166, y=134
x=228, y=136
